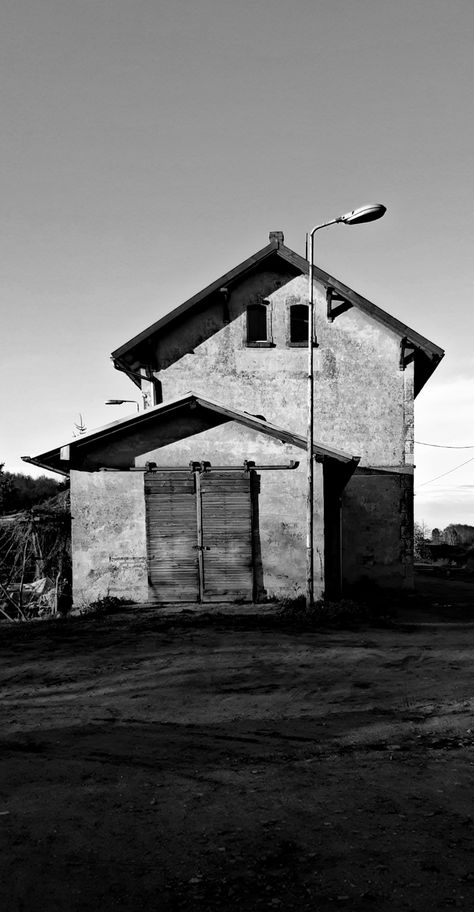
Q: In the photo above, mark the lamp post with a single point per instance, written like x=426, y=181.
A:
x=356, y=217
x=122, y=401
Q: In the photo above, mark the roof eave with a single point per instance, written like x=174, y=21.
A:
x=38, y=461
x=371, y=309
x=427, y=354
x=300, y=265
x=224, y=280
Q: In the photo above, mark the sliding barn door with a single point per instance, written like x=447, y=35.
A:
x=199, y=529
x=226, y=536
x=173, y=572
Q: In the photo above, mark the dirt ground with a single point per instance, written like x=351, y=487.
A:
x=169, y=764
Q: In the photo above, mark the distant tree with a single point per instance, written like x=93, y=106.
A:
x=436, y=536
x=20, y=492
x=5, y=489
x=450, y=535
x=458, y=534
x=421, y=550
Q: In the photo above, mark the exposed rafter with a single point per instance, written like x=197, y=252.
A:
x=336, y=304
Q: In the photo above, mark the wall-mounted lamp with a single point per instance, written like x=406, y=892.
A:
x=122, y=401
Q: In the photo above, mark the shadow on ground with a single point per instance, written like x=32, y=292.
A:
x=211, y=763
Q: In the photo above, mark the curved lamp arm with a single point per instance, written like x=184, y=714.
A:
x=356, y=217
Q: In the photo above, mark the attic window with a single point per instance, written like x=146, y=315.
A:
x=257, y=325
x=299, y=324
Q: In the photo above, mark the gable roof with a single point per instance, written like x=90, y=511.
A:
x=117, y=444
x=427, y=355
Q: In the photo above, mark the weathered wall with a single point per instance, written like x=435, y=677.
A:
x=362, y=401
x=188, y=334
x=409, y=411
x=377, y=523
x=281, y=568
x=108, y=536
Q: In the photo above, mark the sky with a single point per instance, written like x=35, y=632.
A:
x=148, y=146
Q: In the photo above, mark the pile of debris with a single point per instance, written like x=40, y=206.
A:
x=35, y=561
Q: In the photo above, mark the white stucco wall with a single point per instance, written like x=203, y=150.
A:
x=363, y=402
x=108, y=536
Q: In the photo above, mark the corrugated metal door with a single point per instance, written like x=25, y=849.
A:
x=171, y=536
x=226, y=522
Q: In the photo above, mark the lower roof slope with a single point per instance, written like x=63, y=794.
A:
x=116, y=445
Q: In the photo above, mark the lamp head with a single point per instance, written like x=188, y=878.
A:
x=363, y=214
x=115, y=401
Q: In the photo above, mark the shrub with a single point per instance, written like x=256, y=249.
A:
x=326, y=613
x=108, y=604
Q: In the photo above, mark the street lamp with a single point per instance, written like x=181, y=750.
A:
x=355, y=217
x=122, y=401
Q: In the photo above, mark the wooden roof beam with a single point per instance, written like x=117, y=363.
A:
x=336, y=304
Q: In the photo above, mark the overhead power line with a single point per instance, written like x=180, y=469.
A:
x=446, y=446
x=446, y=473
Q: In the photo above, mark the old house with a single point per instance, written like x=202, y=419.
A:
x=201, y=496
